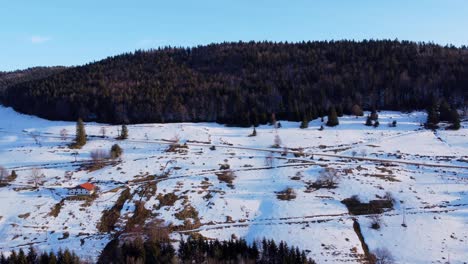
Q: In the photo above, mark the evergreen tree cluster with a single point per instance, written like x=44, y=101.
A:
x=243, y=83
x=332, y=118
x=238, y=251
x=33, y=257
x=442, y=112
x=8, y=79
x=200, y=250
x=137, y=251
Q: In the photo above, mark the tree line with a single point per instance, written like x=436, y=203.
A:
x=199, y=250
x=243, y=83
x=33, y=257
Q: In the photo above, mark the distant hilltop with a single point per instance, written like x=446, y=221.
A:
x=243, y=83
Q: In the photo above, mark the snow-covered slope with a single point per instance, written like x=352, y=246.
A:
x=431, y=200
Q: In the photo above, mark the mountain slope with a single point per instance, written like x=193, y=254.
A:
x=243, y=83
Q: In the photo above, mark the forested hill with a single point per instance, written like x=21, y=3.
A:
x=8, y=79
x=243, y=83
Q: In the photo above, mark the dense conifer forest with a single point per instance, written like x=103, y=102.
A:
x=8, y=79
x=243, y=83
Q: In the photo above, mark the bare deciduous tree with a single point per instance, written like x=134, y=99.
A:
x=103, y=132
x=269, y=160
x=36, y=176
x=383, y=256
x=3, y=174
x=363, y=152
x=328, y=177
x=375, y=221
x=35, y=135
x=99, y=156
x=277, y=141
x=175, y=139
x=285, y=151
x=64, y=134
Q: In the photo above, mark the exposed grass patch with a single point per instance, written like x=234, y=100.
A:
x=189, y=215
x=187, y=212
x=24, y=216
x=178, y=148
x=56, y=209
x=65, y=236
x=385, y=177
x=167, y=199
x=109, y=217
x=139, y=216
x=356, y=207
x=228, y=177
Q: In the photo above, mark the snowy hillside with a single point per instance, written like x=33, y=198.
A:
x=188, y=186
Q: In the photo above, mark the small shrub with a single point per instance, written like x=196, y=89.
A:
x=286, y=194
x=328, y=178
x=389, y=197
x=227, y=176
x=254, y=133
x=116, y=151
x=383, y=256
x=224, y=166
x=375, y=222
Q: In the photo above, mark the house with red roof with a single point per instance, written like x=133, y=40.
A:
x=86, y=188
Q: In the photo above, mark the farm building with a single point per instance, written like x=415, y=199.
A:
x=82, y=189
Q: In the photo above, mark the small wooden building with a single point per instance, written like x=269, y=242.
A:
x=82, y=189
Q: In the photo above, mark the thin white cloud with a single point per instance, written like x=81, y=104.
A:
x=39, y=39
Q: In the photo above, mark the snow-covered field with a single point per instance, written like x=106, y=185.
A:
x=425, y=171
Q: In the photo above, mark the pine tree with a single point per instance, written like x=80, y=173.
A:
x=368, y=121
x=454, y=119
x=445, y=111
x=339, y=111
x=332, y=118
x=13, y=175
x=254, y=132
x=357, y=111
x=432, y=117
x=32, y=255
x=21, y=257
x=123, y=133
x=374, y=116
x=44, y=258
x=80, y=139
x=3, y=259
x=304, y=123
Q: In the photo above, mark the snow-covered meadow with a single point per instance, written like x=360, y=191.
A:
x=425, y=171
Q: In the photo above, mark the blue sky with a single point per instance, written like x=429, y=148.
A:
x=34, y=33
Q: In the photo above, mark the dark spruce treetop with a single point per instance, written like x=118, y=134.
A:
x=244, y=83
